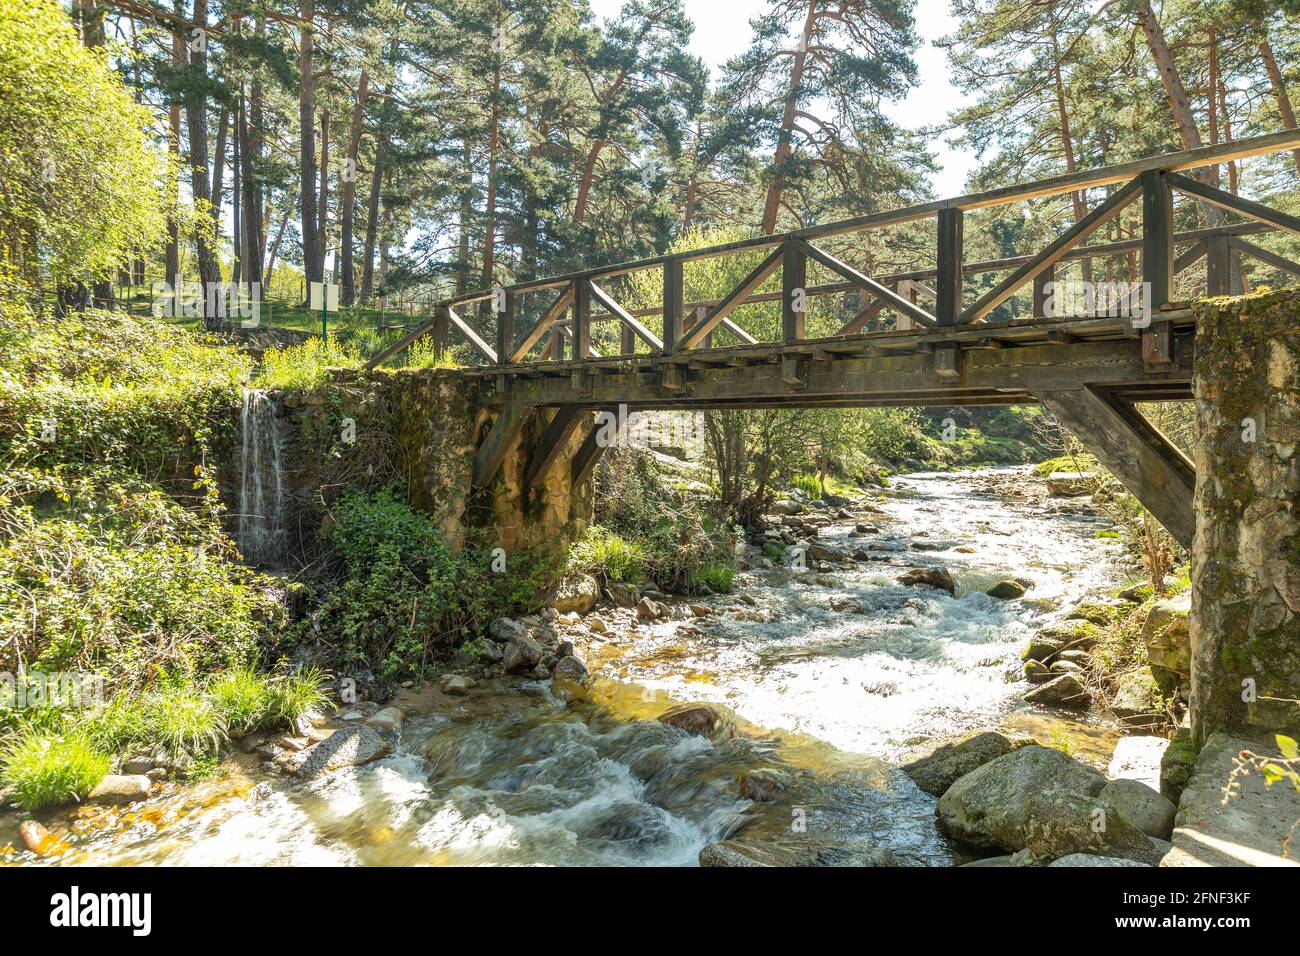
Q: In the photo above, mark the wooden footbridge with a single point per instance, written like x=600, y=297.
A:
x=913, y=338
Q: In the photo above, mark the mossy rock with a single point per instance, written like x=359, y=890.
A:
x=1177, y=765
x=1080, y=634
x=1094, y=612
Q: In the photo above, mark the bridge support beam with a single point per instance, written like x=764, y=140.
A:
x=1153, y=470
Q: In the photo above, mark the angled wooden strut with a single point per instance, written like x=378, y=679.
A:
x=500, y=439
x=885, y=294
x=1146, y=463
x=565, y=422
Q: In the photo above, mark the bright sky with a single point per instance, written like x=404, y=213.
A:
x=722, y=30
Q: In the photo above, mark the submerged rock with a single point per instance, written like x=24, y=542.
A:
x=456, y=685
x=569, y=679
x=953, y=759
x=1088, y=859
x=38, y=839
x=763, y=784
x=719, y=854
x=1006, y=590
x=702, y=720
x=987, y=807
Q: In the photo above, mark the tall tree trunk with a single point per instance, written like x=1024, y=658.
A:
x=196, y=121
x=251, y=243
x=1227, y=134
x=490, y=202
x=466, y=214
x=313, y=262
x=348, y=199
x=219, y=163
x=1212, y=96
x=1077, y=199
x=174, y=147
x=275, y=245
x=237, y=203
x=1181, y=108
x=323, y=205
x=784, y=147
x=372, y=223
x=1275, y=80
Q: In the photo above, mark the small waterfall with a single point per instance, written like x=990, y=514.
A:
x=261, y=480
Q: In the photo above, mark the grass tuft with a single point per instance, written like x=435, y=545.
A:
x=46, y=769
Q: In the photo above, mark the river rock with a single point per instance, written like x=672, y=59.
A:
x=139, y=765
x=986, y=808
x=1141, y=806
x=521, y=653
x=819, y=552
x=949, y=761
x=763, y=784
x=388, y=719
x=575, y=593
x=931, y=577
x=36, y=838
x=350, y=746
x=1058, y=823
x=1136, y=700
x=490, y=651
x=621, y=595
x=1041, y=648
x=121, y=788
x=1006, y=590
x=569, y=679
x=1069, y=484
x=720, y=854
x=504, y=628
x=1036, y=672
x=701, y=720
x=650, y=610
x=456, y=685
x=1064, y=691
x=1066, y=667
x=597, y=625
x=1167, y=637
x=1089, y=859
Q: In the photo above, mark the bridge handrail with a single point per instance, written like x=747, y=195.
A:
x=1152, y=179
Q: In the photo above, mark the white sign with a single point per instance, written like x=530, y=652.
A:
x=327, y=293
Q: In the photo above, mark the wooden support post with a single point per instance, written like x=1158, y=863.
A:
x=505, y=326
x=557, y=344
x=947, y=283
x=672, y=303
x=1042, y=299
x=1218, y=265
x=626, y=339
x=581, y=320
x=1157, y=239
x=588, y=453
x=794, y=290
x=441, y=330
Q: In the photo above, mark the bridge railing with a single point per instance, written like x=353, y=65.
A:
x=687, y=327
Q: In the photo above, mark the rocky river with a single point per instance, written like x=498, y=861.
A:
x=826, y=678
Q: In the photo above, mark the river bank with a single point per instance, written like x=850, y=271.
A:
x=830, y=675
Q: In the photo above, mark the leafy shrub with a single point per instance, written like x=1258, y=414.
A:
x=47, y=769
x=307, y=365
x=423, y=353
x=809, y=484
x=608, y=556
x=718, y=578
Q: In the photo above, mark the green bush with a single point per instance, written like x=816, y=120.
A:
x=809, y=484
x=608, y=556
x=718, y=578
x=48, y=769
x=307, y=365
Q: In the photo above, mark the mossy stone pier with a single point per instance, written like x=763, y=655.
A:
x=1245, y=620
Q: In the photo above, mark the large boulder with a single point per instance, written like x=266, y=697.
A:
x=1252, y=828
x=622, y=595
x=1141, y=806
x=575, y=593
x=930, y=577
x=1068, y=691
x=350, y=746
x=1059, y=823
x=949, y=761
x=986, y=808
x=504, y=628
x=1167, y=637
